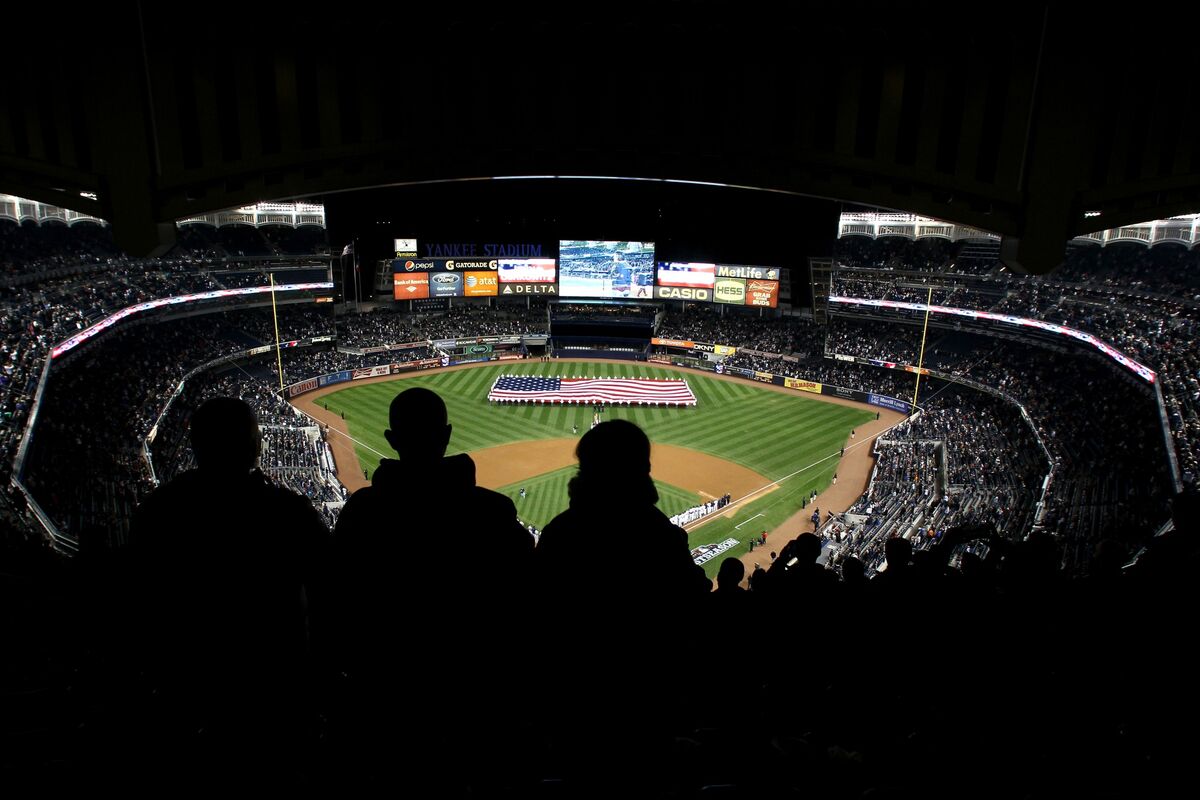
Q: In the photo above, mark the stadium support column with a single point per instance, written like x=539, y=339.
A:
x=1048, y=180
x=129, y=164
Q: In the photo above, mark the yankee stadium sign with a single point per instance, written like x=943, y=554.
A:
x=486, y=250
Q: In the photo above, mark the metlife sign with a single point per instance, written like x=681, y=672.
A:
x=752, y=273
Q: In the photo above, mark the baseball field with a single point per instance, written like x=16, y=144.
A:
x=769, y=449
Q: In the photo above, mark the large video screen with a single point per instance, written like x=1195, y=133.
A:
x=611, y=270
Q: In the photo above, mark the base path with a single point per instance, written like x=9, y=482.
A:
x=854, y=473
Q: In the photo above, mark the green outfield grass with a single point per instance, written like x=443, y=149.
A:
x=772, y=433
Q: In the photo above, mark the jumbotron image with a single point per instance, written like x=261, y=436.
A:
x=370, y=428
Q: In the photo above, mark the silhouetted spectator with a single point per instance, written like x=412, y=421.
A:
x=222, y=565
x=730, y=575
x=613, y=495
x=632, y=631
x=796, y=574
x=431, y=653
x=853, y=573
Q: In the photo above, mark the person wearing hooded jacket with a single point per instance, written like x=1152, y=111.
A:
x=222, y=590
x=619, y=646
x=410, y=618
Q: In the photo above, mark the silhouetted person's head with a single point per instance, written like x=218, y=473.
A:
x=225, y=436
x=1042, y=554
x=807, y=548
x=853, y=571
x=1107, y=559
x=898, y=552
x=418, y=428
x=730, y=574
x=614, y=465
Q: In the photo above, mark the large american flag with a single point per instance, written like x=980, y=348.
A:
x=641, y=391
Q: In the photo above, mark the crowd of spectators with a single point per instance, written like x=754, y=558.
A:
x=967, y=459
x=1115, y=293
x=295, y=451
x=481, y=320
x=881, y=341
x=28, y=250
x=384, y=326
x=1163, y=270
x=704, y=322
x=1109, y=474
x=895, y=252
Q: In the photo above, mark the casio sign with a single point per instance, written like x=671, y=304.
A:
x=682, y=293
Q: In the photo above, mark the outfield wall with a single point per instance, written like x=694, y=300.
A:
x=799, y=384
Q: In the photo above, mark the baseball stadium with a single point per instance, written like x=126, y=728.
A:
x=481, y=429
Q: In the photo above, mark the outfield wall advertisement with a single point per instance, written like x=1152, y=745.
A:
x=336, y=377
x=804, y=386
x=889, y=402
x=697, y=347
x=302, y=387
x=685, y=344
x=883, y=401
x=409, y=366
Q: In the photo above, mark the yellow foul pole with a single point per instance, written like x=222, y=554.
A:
x=921, y=355
x=275, y=316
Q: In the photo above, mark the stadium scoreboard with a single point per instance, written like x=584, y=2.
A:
x=585, y=268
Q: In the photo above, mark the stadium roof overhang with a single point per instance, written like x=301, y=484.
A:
x=1017, y=123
